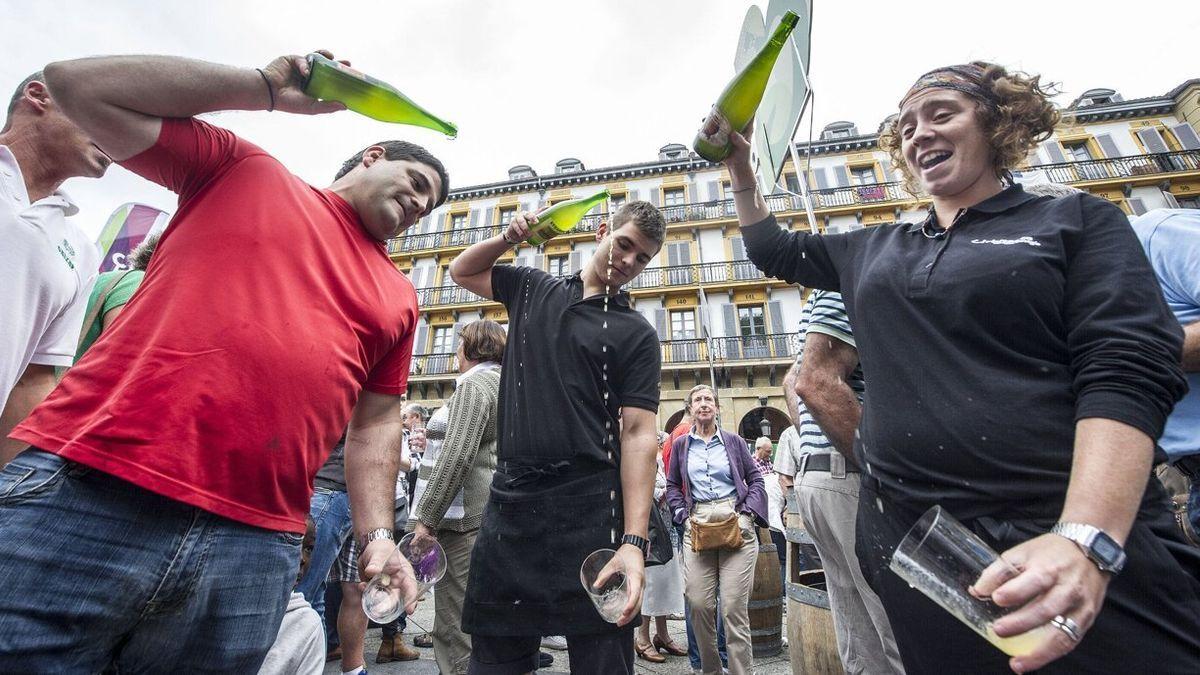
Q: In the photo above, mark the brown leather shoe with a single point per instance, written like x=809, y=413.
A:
x=668, y=645
x=396, y=650
x=648, y=653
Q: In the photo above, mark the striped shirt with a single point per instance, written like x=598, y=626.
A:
x=823, y=317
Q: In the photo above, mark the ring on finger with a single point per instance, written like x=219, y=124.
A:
x=1068, y=626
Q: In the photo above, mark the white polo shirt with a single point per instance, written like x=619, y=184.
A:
x=47, y=268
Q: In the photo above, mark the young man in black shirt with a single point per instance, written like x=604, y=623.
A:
x=576, y=453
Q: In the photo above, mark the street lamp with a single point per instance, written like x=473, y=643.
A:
x=765, y=426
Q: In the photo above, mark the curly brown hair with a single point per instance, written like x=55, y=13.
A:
x=483, y=340
x=1019, y=117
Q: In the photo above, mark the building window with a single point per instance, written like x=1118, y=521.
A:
x=1078, y=151
x=507, y=214
x=615, y=202
x=673, y=197
x=458, y=221
x=558, y=266
x=751, y=321
x=443, y=337
x=683, y=324
x=862, y=175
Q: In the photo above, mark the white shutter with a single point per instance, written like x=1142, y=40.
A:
x=843, y=176
x=712, y=191
x=775, y=310
x=1152, y=140
x=458, y=326
x=1186, y=136
x=655, y=197
x=1136, y=205
x=685, y=253
x=419, y=346
x=488, y=215
x=739, y=249
x=660, y=323
x=1108, y=146
x=1054, y=152
x=576, y=261
x=822, y=180
x=539, y=262
x=729, y=313
x=632, y=197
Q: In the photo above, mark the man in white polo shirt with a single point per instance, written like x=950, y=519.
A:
x=47, y=265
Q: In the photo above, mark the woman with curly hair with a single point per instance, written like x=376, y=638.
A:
x=1020, y=365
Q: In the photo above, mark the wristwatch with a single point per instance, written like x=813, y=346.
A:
x=638, y=542
x=1096, y=545
x=377, y=533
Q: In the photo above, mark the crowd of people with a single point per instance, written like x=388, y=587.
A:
x=228, y=456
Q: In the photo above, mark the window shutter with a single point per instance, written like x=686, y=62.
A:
x=474, y=221
x=660, y=323
x=458, y=326
x=822, y=180
x=422, y=225
x=685, y=253
x=1186, y=136
x=521, y=261
x=1136, y=205
x=729, y=313
x=1108, y=146
x=655, y=196
x=488, y=217
x=1054, y=152
x=843, y=177
x=889, y=176
x=633, y=196
x=775, y=310
x=689, y=194
x=419, y=345
x=713, y=191
x=1152, y=140
x=576, y=261
x=539, y=262
x=739, y=249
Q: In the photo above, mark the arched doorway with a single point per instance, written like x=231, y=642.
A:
x=751, y=426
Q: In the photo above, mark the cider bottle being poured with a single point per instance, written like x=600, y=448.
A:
x=562, y=217
x=329, y=80
x=738, y=103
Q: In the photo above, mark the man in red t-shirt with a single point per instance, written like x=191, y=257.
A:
x=155, y=522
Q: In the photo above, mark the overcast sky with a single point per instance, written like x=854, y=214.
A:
x=606, y=81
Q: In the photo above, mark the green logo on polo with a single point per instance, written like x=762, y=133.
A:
x=67, y=252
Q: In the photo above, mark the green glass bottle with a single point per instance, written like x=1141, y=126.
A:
x=329, y=80
x=562, y=217
x=738, y=103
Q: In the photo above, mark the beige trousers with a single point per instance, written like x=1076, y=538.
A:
x=451, y=646
x=730, y=573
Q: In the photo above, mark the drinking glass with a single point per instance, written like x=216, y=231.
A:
x=611, y=595
x=411, y=570
x=942, y=559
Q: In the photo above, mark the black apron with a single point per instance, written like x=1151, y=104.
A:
x=541, y=521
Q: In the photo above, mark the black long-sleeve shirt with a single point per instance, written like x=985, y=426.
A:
x=982, y=345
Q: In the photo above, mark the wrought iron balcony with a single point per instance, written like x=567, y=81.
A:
x=446, y=295
x=725, y=351
x=834, y=198
x=694, y=275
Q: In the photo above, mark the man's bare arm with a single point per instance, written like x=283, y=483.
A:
x=472, y=269
x=1191, y=347
x=119, y=101
x=31, y=389
x=827, y=365
x=372, y=452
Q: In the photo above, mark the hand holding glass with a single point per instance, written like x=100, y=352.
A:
x=943, y=559
x=603, y=577
x=409, y=572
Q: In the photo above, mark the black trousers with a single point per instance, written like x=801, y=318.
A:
x=1150, y=620
x=608, y=653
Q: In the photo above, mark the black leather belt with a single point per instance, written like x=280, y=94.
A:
x=821, y=463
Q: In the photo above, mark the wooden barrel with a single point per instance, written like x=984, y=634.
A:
x=802, y=551
x=812, y=644
x=766, y=600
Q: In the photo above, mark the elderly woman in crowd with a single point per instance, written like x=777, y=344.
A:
x=715, y=487
x=1022, y=363
x=452, y=483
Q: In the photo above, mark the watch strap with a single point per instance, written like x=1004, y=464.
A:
x=1092, y=540
x=378, y=533
x=637, y=541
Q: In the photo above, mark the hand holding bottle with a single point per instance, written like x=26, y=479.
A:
x=286, y=76
x=738, y=161
x=520, y=228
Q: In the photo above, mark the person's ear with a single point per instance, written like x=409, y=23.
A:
x=372, y=155
x=601, y=230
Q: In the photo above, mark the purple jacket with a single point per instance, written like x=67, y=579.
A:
x=747, y=479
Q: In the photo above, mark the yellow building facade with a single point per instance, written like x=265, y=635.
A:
x=718, y=319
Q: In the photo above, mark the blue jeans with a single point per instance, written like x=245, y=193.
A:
x=330, y=512
x=99, y=574
x=693, y=649
x=1194, y=505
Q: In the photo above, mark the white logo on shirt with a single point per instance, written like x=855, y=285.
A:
x=1007, y=242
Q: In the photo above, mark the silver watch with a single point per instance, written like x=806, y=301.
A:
x=1095, y=543
x=378, y=533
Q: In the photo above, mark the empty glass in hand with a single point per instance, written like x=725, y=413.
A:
x=410, y=571
x=603, y=577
